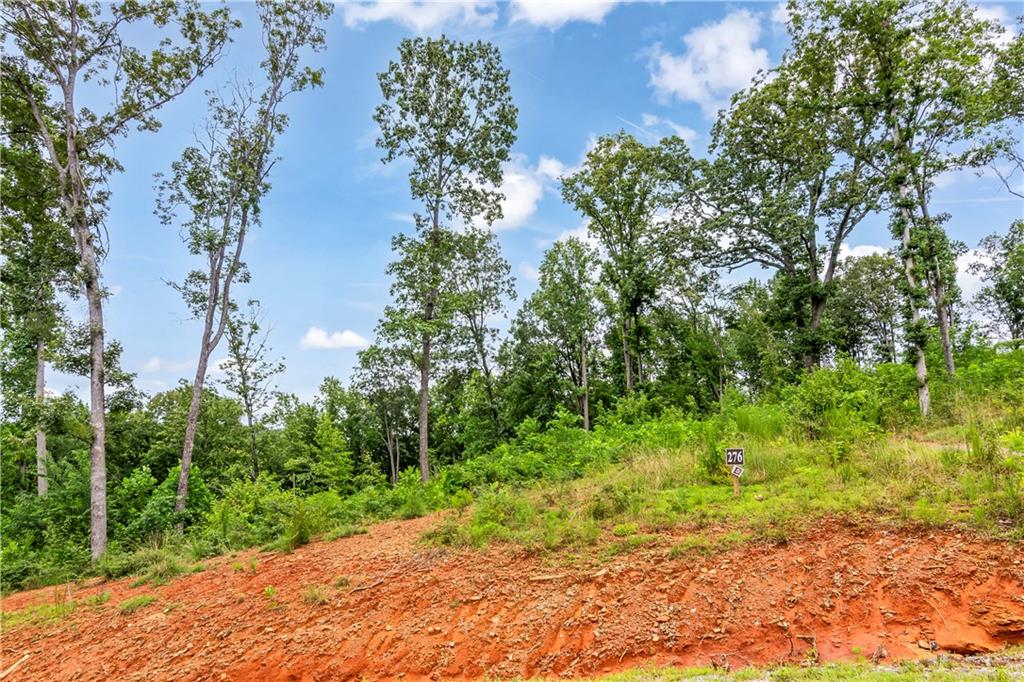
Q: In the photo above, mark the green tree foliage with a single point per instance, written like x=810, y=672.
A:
x=1001, y=268
x=61, y=50
x=789, y=183
x=221, y=180
x=925, y=70
x=248, y=374
x=623, y=191
x=865, y=316
x=565, y=306
x=448, y=109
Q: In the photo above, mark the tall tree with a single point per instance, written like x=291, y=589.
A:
x=448, y=110
x=926, y=71
x=72, y=48
x=222, y=179
x=783, y=191
x=249, y=374
x=482, y=283
x=565, y=304
x=39, y=262
x=865, y=315
x=389, y=391
x=621, y=190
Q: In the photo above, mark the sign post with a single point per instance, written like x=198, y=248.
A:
x=734, y=460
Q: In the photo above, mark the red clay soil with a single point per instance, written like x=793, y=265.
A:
x=417, y=612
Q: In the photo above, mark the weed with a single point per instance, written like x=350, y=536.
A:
x=98, y=599
x=313, y=594
x=341, y=582
x=624, y=530
x=345, y=531
x=133, y=604
x=270, y=594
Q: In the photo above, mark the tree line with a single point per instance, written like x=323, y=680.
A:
x=870, y=103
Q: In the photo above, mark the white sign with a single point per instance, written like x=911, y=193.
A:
x=737, y=471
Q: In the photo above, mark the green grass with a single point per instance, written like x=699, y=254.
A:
x=43, y=614
x=133, y=604
x=345, y=531
x=906, y=672
x=788, y=485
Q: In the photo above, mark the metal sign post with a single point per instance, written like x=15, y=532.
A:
x=734, y=460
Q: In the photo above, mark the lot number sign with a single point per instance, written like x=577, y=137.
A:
x=734, y=460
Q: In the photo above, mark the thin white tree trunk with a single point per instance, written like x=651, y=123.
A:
x=42, y=484
x=586, y=385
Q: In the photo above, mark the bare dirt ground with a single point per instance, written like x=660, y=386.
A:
x=415, y=612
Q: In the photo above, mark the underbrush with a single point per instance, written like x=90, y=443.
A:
x=786, y=487
x=841, y=441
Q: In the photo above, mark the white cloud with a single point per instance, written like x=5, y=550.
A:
x=861, y=250
x=157, y=364
x=528, y=271
x=318, y=338
x=720, y=58
x=523, y=186
x=422, y=16
x=681, y=131
x=780, y=13
x=554, y=14
x=969, y=284
x=581, y=233
x=401, y=217
x=217, y=367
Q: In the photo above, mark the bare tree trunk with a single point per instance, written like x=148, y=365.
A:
x=252, y=442
x=947, y=345
x=74, y=196
x=636, y=352
x=97, y=401
x=42, y=484
x=192, y=423
x=924, y=398
x=627, y=359
x=586, y=385
x=425, y=409
x=488, y=381
x=813, y=358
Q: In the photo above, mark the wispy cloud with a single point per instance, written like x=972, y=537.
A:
x=719, y=59
x=320, y=339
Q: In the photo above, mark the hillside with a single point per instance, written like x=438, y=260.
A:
x=407, y=599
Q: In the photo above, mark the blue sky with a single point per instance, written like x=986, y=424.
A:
x=578, y=70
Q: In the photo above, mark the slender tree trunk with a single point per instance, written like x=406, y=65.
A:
x=488, y=383
x=813, y=358
x=947, y=345
x=627, y=359
x=942, y=313
x=586, y=385
x=924, y=398
x=252, y=442
x=635, y=324
x=97, y=402
x=42, y=483
x=193, y=421
x=424, y=409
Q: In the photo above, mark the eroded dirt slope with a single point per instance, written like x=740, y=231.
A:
x=424, y=613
